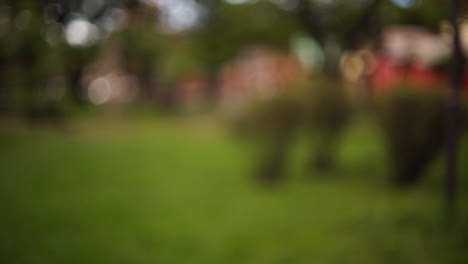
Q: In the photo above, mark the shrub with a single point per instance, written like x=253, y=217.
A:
x=319, y=108
x=327, y=112
x=271, y=125
x=412, y=121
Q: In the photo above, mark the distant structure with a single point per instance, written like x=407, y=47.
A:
x=106, y=81
x=258, y=73
x=408, y=54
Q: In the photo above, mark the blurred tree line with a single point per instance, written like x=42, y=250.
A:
x=35, y=47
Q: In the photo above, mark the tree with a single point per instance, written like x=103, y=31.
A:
x=229, y=28
x=28, y=61
x=140, y=47
x=76, y=56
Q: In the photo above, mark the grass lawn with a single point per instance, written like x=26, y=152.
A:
x=178, y=190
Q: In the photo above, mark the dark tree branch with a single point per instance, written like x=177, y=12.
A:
x=311, y=19
x=364, y=25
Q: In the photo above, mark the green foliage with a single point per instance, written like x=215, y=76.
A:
x=264, y=118
x=327, y=109
x=140, y=48
x=27, y=60
x=422, y=14
x=338, y=17
x=319, y=108
x=272, y=124
x=412, y=122
x=179, y=60
x=230, y=28
x=319, y=105
x=75, y=59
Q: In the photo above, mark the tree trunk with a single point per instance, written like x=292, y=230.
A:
x=74, y=84
x=212, y=89
x=273, y=165
x=453, y=109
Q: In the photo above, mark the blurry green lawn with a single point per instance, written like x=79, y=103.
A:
x=178, y=190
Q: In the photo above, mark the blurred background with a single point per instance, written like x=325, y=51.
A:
x=233, y=131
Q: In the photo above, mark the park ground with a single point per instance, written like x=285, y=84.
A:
x=179, y=189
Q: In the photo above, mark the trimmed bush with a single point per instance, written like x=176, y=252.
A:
x=327, y=112
x=319, y=108
x=412, y=122
x=271, y=125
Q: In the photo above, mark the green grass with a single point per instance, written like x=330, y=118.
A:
x=178, y=190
